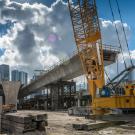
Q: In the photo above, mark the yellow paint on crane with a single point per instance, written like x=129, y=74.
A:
x=91, y=39
x=115, y=102
x=129, y=90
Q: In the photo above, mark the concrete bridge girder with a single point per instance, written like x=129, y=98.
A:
x=66, y=71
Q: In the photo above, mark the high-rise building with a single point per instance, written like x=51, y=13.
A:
x=15, y=75
x=38, y=73
x=4, y=72
x=23, y=77
x=20, y=76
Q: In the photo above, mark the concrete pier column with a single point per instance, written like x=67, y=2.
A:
x=45, y=105
x=11, y=90
x=37, y=105
x=54, y=98
x=78, y=102
x=0, y=112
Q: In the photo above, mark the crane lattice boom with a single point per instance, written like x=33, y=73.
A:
x=88, y=37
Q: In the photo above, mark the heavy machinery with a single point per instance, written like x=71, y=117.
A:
x=88, y=39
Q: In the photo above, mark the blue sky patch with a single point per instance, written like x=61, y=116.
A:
x=46, y=2
x=2, y=51
x=5, y=27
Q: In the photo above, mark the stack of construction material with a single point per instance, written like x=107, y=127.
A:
x=24, y=121
x=96, y=125
x=79, y=111
x=8, y=108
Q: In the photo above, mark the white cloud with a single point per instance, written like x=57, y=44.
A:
x=42, y=35
x=37, y=39
x=109, y=35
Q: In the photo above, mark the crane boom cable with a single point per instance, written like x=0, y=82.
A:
x=109, y=80
x=124, y=32
x=117, y=34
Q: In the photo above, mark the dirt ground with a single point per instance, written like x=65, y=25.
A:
x=61, y=124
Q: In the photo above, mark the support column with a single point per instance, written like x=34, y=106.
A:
x=47, y=100
x=0, y=112
x=62, y=96
x=37, y=105
x=78, y=102
x=54, y=97
x=11, y=90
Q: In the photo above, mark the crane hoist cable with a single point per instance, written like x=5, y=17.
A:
x=124, y=32
x=109, y=80
x=107, y=76
x=117, y=34
x=117, y=67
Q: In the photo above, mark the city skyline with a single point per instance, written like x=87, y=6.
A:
x=6, y=74
x=21, y=76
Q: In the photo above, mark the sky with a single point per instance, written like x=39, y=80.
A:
x=36, y=34
x=127, y=11
x=126, y=7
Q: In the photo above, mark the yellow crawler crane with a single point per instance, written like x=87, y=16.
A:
x=87, y=35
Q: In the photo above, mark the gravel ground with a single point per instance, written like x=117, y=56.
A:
x=61, y=124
